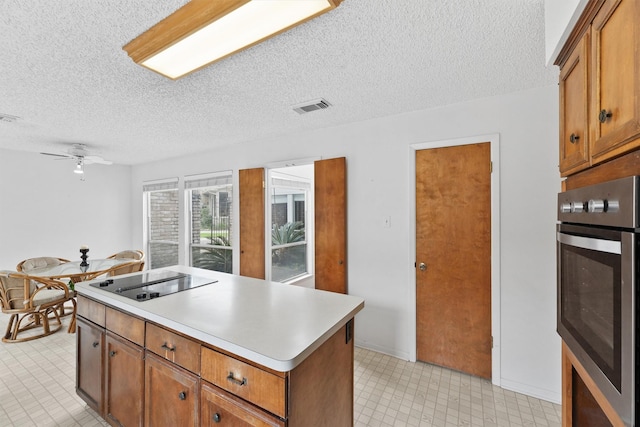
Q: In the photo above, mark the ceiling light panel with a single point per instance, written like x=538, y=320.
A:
x=204, y=31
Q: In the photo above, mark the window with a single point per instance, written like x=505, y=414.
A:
x=162, y=222
x=209, y=198
x=289, y=202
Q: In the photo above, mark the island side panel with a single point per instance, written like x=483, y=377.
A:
x=321, y=387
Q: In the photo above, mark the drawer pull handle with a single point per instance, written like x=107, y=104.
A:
x=166, y=347
x=216, y=418
x=112, y=353
x=182, y=395
x=95, y=344
x=231, y=378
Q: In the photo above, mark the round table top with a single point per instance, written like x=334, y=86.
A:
x=74, y=270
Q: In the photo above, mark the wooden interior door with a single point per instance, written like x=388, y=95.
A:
x=252, y=243
x=453, y=241
x=330, y=196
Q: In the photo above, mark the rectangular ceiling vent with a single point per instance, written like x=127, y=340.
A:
x=309, y=106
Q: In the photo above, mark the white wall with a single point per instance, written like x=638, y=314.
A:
x=560, y=16
x=380, y=270
x=45, y=210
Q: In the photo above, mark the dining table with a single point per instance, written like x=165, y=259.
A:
x=76, y=272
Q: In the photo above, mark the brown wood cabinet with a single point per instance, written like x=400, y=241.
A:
x=172, y=394
x=171, y=346
x=574, y=110
x=124, y=382
x=134, y=372
x=600, y=86
x=615, y=58
x=90, y=342
x=219, y=408
x=600, y=108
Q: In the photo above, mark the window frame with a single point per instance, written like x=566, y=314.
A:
x=156, y=186
x=280, y=175
x=203, y=181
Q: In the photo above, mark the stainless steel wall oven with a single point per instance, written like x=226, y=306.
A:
x=597, y=248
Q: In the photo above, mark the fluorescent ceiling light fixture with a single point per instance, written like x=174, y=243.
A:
x=205, y=31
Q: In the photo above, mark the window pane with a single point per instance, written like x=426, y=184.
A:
x=217, y=259
x=211, y=227
x=163, y=228
x=163, y=254
x=288, y=262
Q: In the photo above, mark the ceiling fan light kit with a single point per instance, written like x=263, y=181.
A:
x=79, y=168
x=80, y=154
x=204, y=31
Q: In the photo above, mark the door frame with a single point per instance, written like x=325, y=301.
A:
x=494, y=141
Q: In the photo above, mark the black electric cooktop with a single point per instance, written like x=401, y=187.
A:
x=153, y=284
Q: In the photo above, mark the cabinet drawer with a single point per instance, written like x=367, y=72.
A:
x=221, y=408
x=253, y=384
x=91, y=310
x=125, y=325
x=173, y=347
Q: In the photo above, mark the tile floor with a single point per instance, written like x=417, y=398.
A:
x=37, y=388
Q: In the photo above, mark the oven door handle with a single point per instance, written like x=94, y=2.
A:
x=609, y=246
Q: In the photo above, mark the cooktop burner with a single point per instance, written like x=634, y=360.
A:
x=153, y=284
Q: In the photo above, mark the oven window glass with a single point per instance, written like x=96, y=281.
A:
x=590, y=305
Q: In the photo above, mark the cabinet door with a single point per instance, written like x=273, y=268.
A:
x=171, y=394
x=615, y=79
x=89, y=367
x=124, y=382
x=221, y=408
x=574, y=107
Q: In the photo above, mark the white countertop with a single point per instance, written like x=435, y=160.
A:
x=272, y=324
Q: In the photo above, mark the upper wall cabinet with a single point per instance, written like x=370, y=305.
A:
x=574, y=110
x=615, y=51
x=600, y=78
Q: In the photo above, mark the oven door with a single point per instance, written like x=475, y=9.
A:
x=596, y=310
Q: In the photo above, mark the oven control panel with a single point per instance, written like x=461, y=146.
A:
x=591, y=206
x=612, y=203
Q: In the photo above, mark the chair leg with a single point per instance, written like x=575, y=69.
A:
x=11, y=328
x=45, y=321
x=38, y=319
x=72, y=322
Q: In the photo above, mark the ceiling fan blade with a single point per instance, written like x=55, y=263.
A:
x=66, y=156
x=97, y=159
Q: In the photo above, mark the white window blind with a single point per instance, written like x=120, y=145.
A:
x=208, y=180
x=160, y=185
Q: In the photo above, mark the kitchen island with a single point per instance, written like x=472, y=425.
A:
x=238, y=350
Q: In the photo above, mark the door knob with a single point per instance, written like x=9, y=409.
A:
x=422, y=266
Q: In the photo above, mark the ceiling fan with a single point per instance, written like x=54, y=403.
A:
x=81, y=155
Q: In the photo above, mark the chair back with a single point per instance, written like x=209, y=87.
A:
x=132, y=254
x=129, y=254
x=12, y=291
x=33, y=263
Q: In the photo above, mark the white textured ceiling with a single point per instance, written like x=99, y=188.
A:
x=64, y=73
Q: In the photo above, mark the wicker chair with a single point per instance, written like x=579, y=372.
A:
x=32, y=263
x=32, y=302
x=133, y=255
